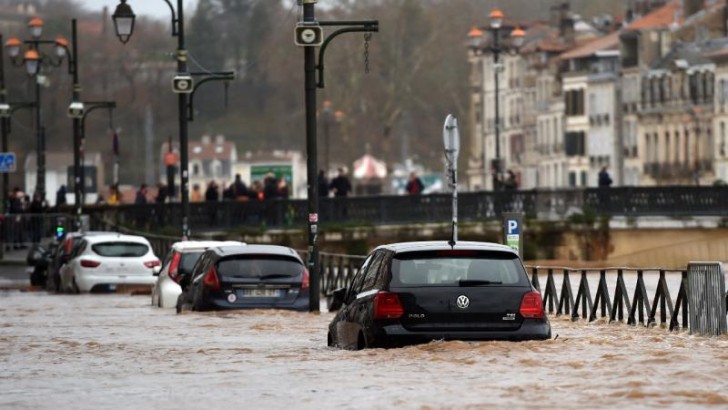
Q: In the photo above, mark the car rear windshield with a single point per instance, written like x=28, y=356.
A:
x=265, y=266
x=187, y=261
x=458, y=268
x=120, y=249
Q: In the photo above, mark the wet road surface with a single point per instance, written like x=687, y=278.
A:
x=115, y=351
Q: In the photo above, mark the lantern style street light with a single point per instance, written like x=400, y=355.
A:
x=182, y=85
x=476, y=43
x=33, y=60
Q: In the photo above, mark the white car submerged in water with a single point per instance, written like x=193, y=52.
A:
x=180, y=260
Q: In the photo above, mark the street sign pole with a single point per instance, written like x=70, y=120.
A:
x=451, y=139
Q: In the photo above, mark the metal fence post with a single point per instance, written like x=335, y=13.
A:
x=706, y=298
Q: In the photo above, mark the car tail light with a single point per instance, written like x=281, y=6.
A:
x=306, y=280
x=174, y=266
x=387, y=306
x=532, y=306
x=151, y=264
x=211, y=280
x=89, y=264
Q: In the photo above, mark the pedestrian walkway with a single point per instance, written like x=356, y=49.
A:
x=14, y=256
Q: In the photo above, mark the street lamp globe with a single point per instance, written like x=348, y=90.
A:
x=475, y=38
x=32, y=62
x=496, y=19
x=123, y=21
x=61, y=46
x=35, y=26
x=13, y=47
x=517, y=36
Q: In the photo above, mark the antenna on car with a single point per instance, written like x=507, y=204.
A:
x=451, y=138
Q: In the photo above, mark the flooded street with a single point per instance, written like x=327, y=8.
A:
x=115, y=351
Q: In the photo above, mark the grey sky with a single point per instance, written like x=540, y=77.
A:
x=149, y=8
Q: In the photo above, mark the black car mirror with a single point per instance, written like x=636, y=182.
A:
x=336, y=300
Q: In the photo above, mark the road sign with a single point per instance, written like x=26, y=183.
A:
x=7, y=162
x=513, y=227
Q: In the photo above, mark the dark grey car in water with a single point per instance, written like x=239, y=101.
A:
x=246, y=277
x=421, y=291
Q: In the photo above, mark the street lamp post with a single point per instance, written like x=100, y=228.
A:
x=34, y=60
x=309, y=35
x=182, y=85
x=517, y=37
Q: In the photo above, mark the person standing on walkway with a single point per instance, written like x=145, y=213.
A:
x=341, y=185
x=323, y=185
x=414, y=185
x=605, y=181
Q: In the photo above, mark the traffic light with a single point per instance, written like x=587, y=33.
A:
x=60, y=228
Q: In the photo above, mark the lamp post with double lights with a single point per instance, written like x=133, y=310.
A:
x=34, y=60
x=183, y=85
x=6, y=112
x=496, y=48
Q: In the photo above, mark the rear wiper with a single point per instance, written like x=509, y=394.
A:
x=274, y=276
x=478, y=282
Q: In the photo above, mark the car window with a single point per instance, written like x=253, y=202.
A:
x=357, y=282
x=259, y=266
x=78, y=248
x=187, y=261
x=120, y=249
x=372, y=273
x=457, y=268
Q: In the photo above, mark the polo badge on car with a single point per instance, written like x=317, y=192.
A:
x=463, y=302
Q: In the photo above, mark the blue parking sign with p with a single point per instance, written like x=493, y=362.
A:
x=7, y=162
x=512, y=227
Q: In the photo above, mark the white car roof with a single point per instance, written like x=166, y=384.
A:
x=191, y=246
x=115, y=237
x=401, y=247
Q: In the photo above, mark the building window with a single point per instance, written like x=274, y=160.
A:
x=574, y=102
x=574, y=144
x=572, y=179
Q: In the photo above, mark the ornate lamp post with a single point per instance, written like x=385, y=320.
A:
x=34, y=60
x=182, y=84
x=496, y=48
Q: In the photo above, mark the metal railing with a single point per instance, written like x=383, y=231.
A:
x=19, y=231
x=388, y=209
x=618, y=305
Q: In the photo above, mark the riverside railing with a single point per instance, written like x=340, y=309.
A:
x=617, y=305
x=636, y=295
x=677, y=201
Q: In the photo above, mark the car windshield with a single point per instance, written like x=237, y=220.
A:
x=120, y=249
x=457, y=268
x=259, y=266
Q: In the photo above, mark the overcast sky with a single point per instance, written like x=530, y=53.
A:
x=151, y=8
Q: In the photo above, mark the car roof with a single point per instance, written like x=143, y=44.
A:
x=116, y=237
x=191, y=246
x=402, y=247
x=228, y=250
x=78, y=234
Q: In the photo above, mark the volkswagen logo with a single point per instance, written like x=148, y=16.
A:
x=463, y=302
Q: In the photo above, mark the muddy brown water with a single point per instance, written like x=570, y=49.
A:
x=115, y=351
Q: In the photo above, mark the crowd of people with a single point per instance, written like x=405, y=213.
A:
x=23, y=221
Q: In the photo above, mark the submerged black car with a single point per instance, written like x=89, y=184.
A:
x=416, y=292
x=246, y=277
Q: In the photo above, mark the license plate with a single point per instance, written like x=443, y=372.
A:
x=262, y=293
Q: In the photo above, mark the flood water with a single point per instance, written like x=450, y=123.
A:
x=115, y=351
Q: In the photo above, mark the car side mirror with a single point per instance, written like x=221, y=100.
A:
x=156, y=270
x=337, y=299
